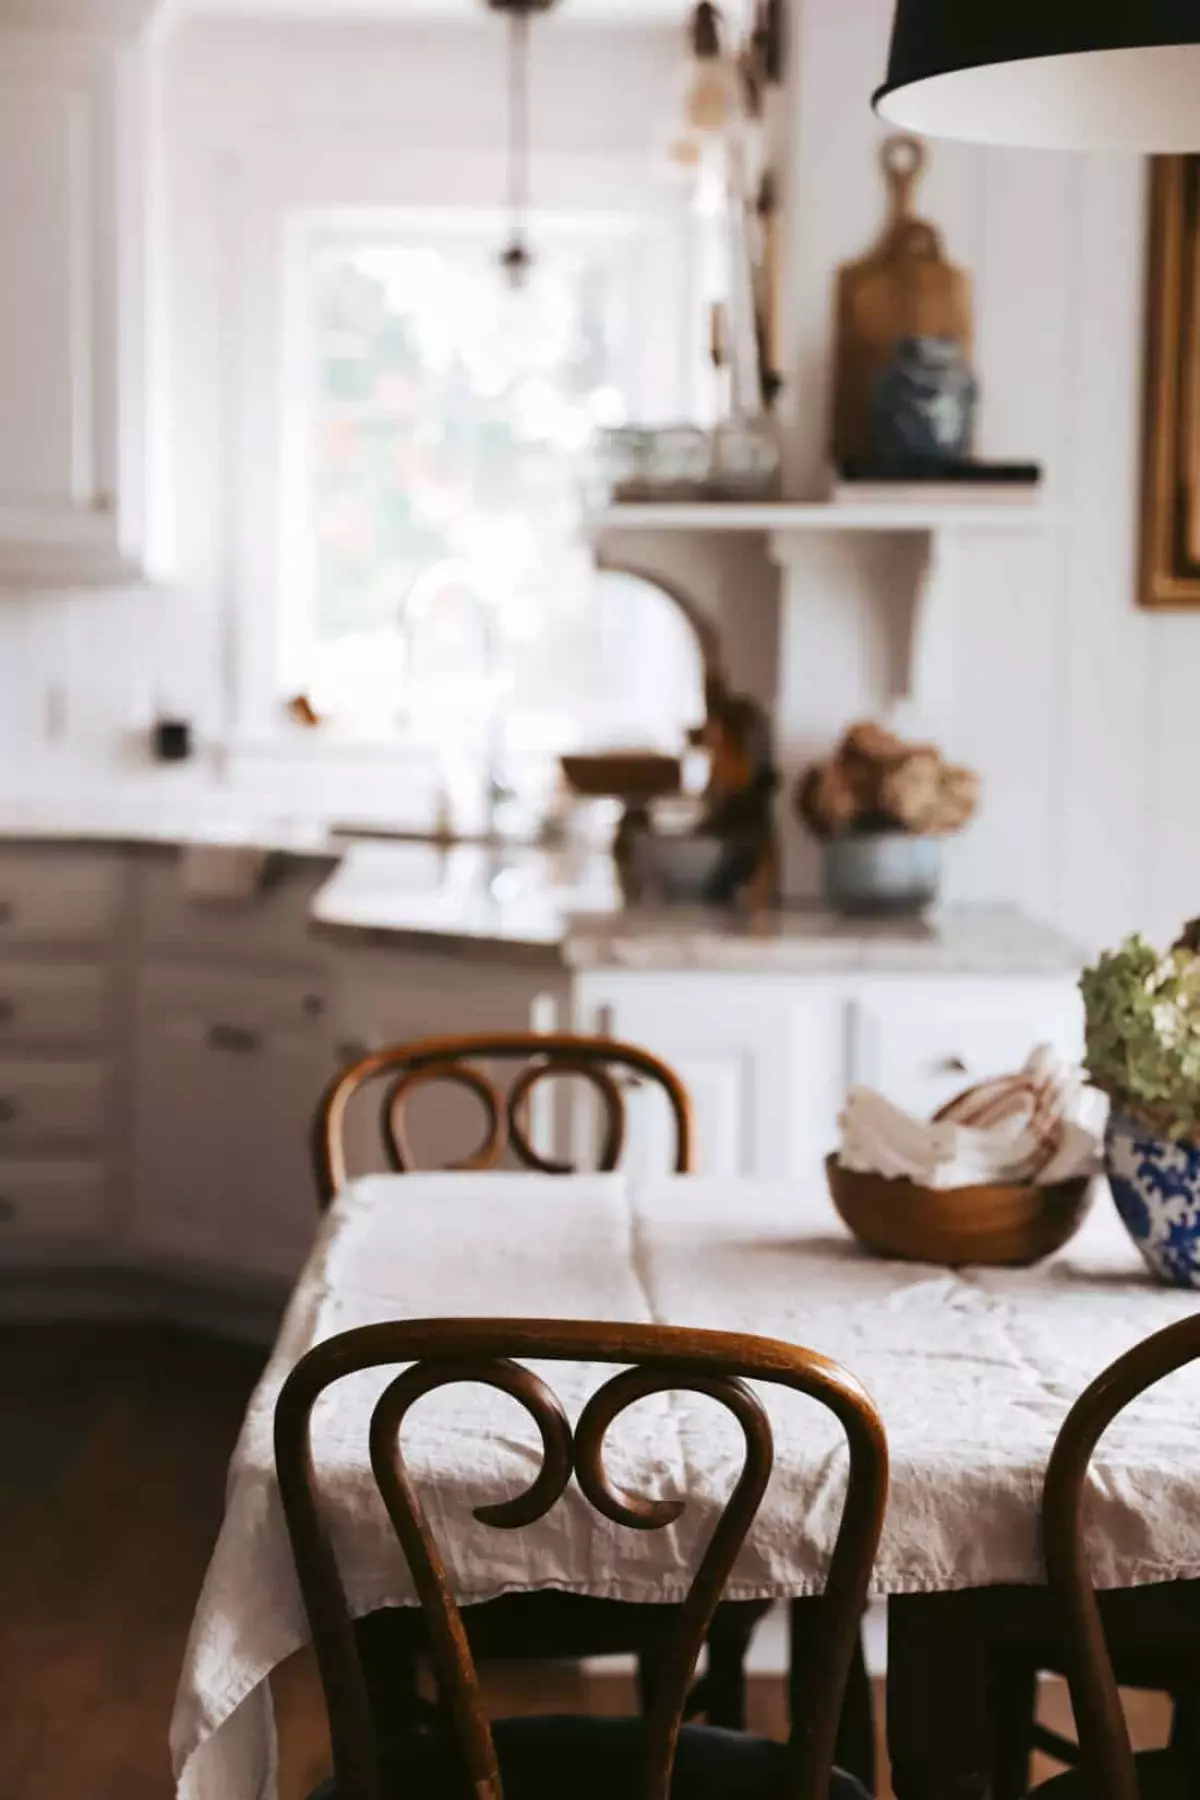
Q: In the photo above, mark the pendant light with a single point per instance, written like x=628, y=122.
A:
x=516, y=259
x=1051, y=74
x=710, y=101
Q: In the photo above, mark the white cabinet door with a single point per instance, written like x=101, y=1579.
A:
x=230, y=1069
x=922, y=1042
x=762, y=1061
x=65, y=362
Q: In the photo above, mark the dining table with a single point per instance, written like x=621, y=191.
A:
x=972, y=1369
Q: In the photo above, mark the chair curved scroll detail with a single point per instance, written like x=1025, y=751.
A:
x=529, y=1759
x=405, y=1068
x=1108, y=1768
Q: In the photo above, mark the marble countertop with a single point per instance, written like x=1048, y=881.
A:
x=568, y=908
x=953, y=940
x=562, y=907
x=178, y=816
x=523, y=900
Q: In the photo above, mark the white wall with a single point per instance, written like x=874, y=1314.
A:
x=1077, y=708
x=118, y=16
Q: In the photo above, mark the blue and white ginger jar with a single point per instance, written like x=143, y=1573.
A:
x=1156, y=1185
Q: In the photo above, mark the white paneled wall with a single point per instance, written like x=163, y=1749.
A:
x=1078, y=709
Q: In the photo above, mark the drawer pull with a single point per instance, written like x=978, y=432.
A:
x=8, y=1011
x=235, y=1038
x=314, y=1006
x=8, y=1211
x=8, y=1111
x=8, y=912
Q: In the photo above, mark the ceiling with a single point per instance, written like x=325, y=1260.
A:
x=626, y=12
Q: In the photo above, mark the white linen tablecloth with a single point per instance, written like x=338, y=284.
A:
x=973, y=1372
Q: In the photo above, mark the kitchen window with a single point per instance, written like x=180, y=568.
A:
x=437, y=592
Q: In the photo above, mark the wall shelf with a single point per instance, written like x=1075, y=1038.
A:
x=784, y=516
x=924, y=689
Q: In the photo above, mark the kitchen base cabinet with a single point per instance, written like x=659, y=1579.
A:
x=62, y=1138
x=768, y=1059
x=228, y=1070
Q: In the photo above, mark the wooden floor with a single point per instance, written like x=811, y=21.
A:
x=113, y=1447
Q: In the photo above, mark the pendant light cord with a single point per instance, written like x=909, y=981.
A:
x=518, y=122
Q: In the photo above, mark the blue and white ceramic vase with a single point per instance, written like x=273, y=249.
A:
x=923, y=406
x=1156, y=1185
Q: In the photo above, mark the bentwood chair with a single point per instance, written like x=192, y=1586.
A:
x=609, y=1068
x=553, y=1625
x=588, y=1758
x=558, y=1625
x=1108, y=1769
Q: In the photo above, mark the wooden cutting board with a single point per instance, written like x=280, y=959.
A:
x=903, y=286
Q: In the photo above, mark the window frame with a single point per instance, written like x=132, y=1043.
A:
x=286, y=194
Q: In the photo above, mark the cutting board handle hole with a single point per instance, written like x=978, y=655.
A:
x=903, y=158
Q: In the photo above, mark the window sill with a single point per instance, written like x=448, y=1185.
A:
x=397, y=785
x=409, y=788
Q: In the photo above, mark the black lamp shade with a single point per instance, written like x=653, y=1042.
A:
x=1055, y=74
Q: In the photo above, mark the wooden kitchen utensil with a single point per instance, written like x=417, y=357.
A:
x=903, y=287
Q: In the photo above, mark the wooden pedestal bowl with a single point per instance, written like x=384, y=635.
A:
x=635, y=776
x=1002, y=1225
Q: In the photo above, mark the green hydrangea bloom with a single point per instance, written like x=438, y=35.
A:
x=1143, y=1034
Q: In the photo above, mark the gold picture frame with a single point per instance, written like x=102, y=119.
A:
x=1169, y=575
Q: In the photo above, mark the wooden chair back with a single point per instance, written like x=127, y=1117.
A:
x=655, y=1359
x=1105, y=1750
x=606, y=1065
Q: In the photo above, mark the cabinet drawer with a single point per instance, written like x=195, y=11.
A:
x=44, y=1101
x=234, y=1012
x=59, y=1199
x=42, y=1003
x=920, y=1043
x=59, y=896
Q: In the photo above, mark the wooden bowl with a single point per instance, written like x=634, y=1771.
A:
x=1003, y=1225
x=623, y=774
